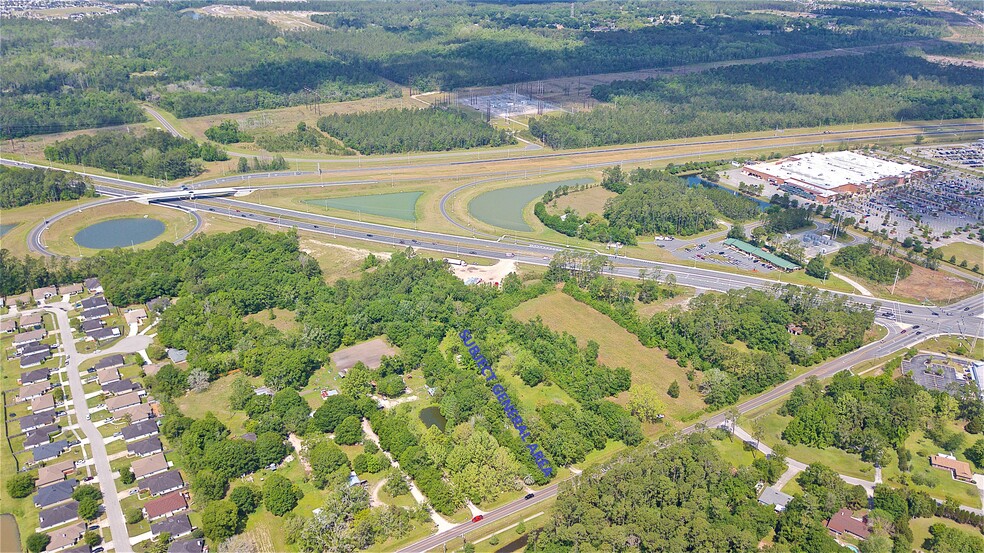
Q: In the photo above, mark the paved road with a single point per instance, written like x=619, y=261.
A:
x=117, y=524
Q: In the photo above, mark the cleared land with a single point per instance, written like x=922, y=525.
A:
x=920, y=529
x=59, y=237
x=282, y=319
x=923, y=285
x=617, y=348
x=587, y=201
x=973, y=253
x=370, y=353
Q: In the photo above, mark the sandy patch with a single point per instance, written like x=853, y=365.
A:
x=489, y=274
x=357, y=253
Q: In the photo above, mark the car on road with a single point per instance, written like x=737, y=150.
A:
x=369, y=235
x=316, y=226
x=477, y=518
x=403, y=241
x=903, y=331
x=966, y=309
x=511, y=254
x=98, y=550
x=545, y=258
x=908, y=311
x=935, y=314
x=472, y=252
x=528, y=496
x=93, y=528
x=915, y=327
x=87, y=417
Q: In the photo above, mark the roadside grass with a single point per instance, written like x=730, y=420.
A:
x=734, y=450
x=951, y=343
x=28, y=217
x=537, y=514
x=617, y=348
x=60, y=237
x=921, y=286
x=972, y=252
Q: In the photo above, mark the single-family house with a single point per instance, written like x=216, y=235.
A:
x=24, y=338
x=106, y=376
x=110, y=362
x=92, y=285
x=35, y=376
x=58, y=515
x=73, y=289
x=34, y=359
x=49, y=451
x=145, y=447
x=94, y=301
x=140, y=430
x=190, y=545
x=121, y=387
x=136, y=413
x=43, y=403
x=775, y=498
x=31, y=391
x=843, y=522
x=18, y=300
x=354, y=480
x=36, y=420
x=66, y=537
x=149, y=466
x=99, y=312
x=153, y=368
x=121, y=402
x=959, y=469
x=83, y=548
x=54, y=494
x=158, y=304
x=94, y=324
x=163, y=483
x=177, y=355
x=135, y=316
x=8, y=326
x=177, y=526
x=31, y=321
x=41, y=294
x=102, y=334
x=34, y=347
x=167, y=505
x=40, y=436
x=55, y=472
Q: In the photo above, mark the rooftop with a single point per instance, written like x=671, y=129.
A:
x=832, y=170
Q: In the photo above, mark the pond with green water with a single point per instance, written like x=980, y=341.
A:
x=504, y=207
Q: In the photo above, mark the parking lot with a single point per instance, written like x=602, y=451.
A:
x=715, y=252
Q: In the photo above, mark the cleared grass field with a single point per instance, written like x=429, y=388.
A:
x=283, y=320
x=920, y=529
x=216, y=401
x=973, y=253
x=587, y=201
x=617, y=348
x=400, y=205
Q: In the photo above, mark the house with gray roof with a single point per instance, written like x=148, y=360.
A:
x=95, y=313
x=31, y=422
x=102, y=334
x=53, y=494
x=774, y=497
x=111, y=362
x=93, y=302
x=49, y=451
x=40, y=436
x=58, y=515
x=163, y=483
x=32, y=348
x=177, y=526
x=92, y=285
x=121, y=387
x=190, y=545
x=34, y=359
x=146, y=447
x=94, y=324
x=140, y=430
x=35, y=376
x=177, y=355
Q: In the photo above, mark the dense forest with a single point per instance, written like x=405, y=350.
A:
x=412, y=130
x=882, y=86
x=155, y=154
x=20, y=187
x=865, y=261
x=64, y=75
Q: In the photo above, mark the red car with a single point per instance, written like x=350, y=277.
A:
x=477, y=518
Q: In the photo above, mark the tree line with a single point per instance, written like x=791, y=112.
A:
x=882, y=86
x=412, y=130
x=864, y=260
x=19, y=187
x=155, y=153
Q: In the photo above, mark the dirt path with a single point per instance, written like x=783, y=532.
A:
x=298, y=446
x=374, y=500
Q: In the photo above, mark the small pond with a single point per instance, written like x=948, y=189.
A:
x=504, y=207
x=431, y=416
x=119, y=233
x=401, y=205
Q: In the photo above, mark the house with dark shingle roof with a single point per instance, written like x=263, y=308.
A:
x=35, y=376
x=190, y=545
x=121, y=387
x=94, y=324
x=49, y=451
x=83, y=548
x=30, y=422
x=34, y=359
x=160, y=484
x=101, y=334
x=177, y=526
x=111, y=362
x=169, y=504
x=42, y=435
x=92, y=285
x=33, y=347
x=58, y=515
x=53, y=494
x=140, y=430
x=100, y=312
x=94, y=301
x=146, y=447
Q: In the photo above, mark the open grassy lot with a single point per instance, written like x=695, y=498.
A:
x=936, y=482
x=920, y=529
x=281, y=319
x=587, y=201
x=972, y=252
x=60, y=236
x=950, y=344
x=617, y=347
x=215, y=400
x=922, y=285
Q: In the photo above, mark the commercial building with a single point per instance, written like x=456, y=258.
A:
x=824, y=177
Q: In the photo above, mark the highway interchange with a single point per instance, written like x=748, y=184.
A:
x=909, y=324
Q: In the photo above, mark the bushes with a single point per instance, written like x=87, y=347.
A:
x=133, y=515
x=863, y=261
x=227, y=132
x=280, y=495
x=20, y=485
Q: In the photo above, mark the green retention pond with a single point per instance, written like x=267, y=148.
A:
x=400, y=205
x=504, y=207
x=119, y=233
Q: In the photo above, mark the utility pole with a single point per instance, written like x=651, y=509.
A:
x=896, y=280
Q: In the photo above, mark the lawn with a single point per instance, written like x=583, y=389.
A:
x=936, y=482
x=973, y=253
x=26, y=218
x=950, y=344
x=920, y=529
x=735, y=451
x=617, y=348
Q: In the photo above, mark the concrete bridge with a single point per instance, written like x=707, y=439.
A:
x=190, y=194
